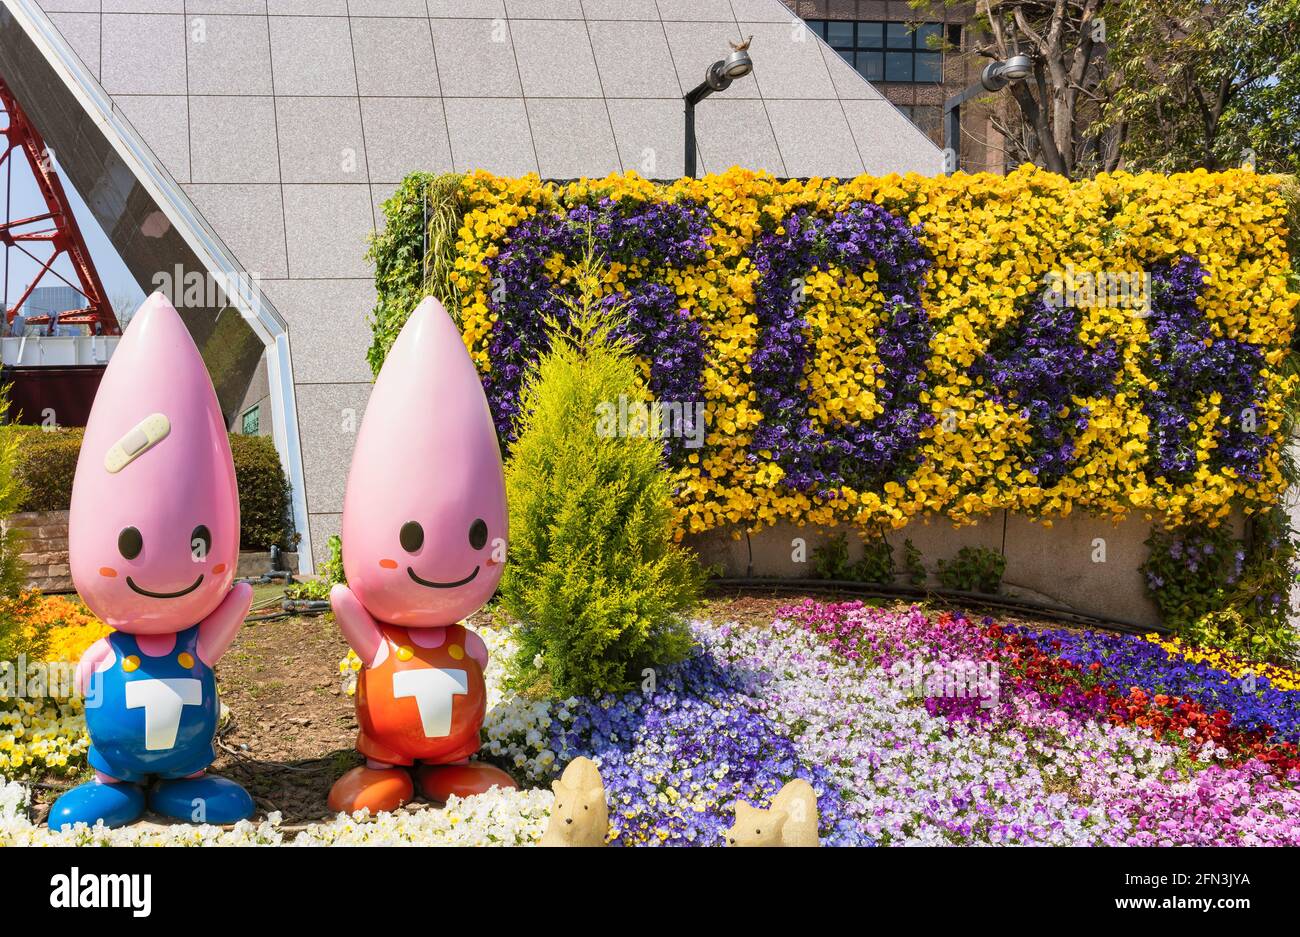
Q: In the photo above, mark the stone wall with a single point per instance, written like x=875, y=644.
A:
x=44, y=548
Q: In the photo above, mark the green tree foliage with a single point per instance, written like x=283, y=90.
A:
x=1207, y=84
x=1052, y=118
x=11, y=570
x=594, y=577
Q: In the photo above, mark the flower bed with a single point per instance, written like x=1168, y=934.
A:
x=47, y=734
x=875, y=349
x=1067, y=737
x=498, y=818
x=1062, y=753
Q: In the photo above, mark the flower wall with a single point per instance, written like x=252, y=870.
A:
x=875, y=349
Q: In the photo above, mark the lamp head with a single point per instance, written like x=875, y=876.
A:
x=1017, y=67
x=737, y=65
x=997, y=75
x=716, y=77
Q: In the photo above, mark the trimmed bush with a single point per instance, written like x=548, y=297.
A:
x=46, y=463
x=265, y=508
x=593, y=576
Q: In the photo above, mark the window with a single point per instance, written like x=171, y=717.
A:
x=886, y=51
x=252, y=421
x=898, y=66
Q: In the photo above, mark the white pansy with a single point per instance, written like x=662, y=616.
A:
x=497, y=818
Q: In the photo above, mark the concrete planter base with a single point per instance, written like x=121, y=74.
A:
x=1084, y=563
x=254, y=563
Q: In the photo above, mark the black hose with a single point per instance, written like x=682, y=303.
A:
x=306, y=606
x=267, y=578
x=273, y=616
x=1059, y=613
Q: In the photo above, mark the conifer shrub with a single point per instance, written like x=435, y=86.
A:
x=594, y=577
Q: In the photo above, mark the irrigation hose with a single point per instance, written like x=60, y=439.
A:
x=306, y=606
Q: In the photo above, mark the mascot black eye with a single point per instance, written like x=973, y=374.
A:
x=478, y=534
x=200, y=542
x=129, y=543
x=411, y=537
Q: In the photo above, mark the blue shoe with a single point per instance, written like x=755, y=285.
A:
x=205, y=799
x=114, y=804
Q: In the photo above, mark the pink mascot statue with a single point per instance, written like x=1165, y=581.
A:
x=153, y=543
x=424, y=535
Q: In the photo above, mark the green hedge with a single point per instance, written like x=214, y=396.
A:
x=47, y=462
x=265, y=511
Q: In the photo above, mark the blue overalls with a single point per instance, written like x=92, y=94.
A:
x=152, y=717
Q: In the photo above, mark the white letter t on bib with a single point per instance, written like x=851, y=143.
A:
x=162, y=701
x=432, y=689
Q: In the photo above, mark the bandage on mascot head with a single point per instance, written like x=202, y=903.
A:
x=153, y=534
x=424, y=514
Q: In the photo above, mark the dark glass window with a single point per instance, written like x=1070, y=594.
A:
x=840, y=34
x=898, y=66
x=898, y=36
x=871, y=65
x=882, y=51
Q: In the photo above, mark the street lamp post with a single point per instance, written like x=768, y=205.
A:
x=995, y=77
x=718, y=78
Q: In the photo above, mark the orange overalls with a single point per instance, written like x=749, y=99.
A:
x=420, y=703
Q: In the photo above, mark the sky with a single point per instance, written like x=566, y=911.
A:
x=25, y=200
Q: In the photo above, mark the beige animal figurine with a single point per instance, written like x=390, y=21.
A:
x=790, y=821
x=580, y=816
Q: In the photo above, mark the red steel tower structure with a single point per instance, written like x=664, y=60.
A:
x=56, y=226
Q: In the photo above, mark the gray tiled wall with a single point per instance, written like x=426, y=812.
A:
x=287, y=122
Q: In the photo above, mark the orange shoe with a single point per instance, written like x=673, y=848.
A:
x=375, y=788
x=439, y=782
